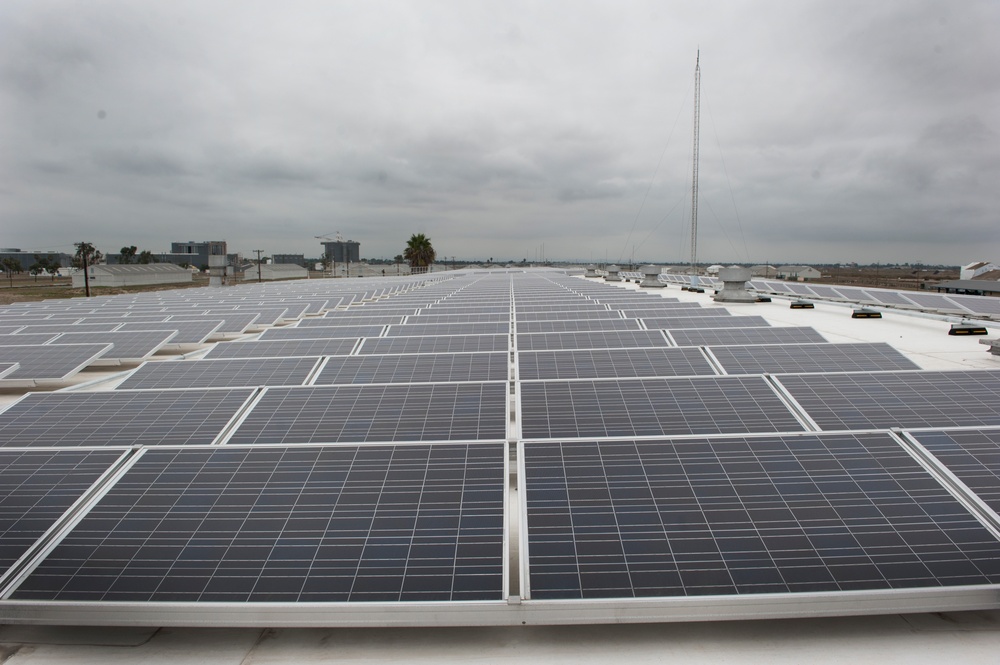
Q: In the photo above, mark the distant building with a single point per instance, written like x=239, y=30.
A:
x=342, y=251
x=296, y=259
x=978, y=270
x=763, y=271
x=800, y=273
x=133, y=275
x=273, y=271
x=26, y=258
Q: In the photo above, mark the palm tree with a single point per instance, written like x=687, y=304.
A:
x=419, y=251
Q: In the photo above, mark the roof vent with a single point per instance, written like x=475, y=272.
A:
x=591, y=271
x=650, y=274
x=865, y=313
x=967, y=329
x=802, y=304
x=613, y=275
x=734, y=285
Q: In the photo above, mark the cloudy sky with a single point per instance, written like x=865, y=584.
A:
x=831, y=131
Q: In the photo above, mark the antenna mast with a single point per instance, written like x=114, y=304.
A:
x=694, y=177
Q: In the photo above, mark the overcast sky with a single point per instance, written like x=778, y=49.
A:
x=830, y=131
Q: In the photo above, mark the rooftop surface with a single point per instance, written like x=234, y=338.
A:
x=972, y=636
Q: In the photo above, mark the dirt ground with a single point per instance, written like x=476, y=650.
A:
x=26, y=289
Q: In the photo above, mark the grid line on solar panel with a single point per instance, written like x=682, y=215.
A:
x=652, y=407
x=593, y=339
x=228, y=373
x=437, y=329
x=789, y=335
x=972, y=455
x=434, y=344
x=702, y=322
x=385, y=413
x=188, y=332
x=612, y=363
x=790, y=514
x=51, y=362
x=804, y=358
x=320, y=332
x=576, y=325
x=424, y=368
x=36, y=488
x=120, y=418
x=282, y=348
x=127, y=345
x=331, y=524
x=898, y=399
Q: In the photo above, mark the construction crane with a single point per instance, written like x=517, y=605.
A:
x=337, y=238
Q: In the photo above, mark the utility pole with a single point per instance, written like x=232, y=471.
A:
x=258, y=265
x=694, y=176
x=86, y=273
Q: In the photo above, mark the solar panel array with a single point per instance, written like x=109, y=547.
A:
x=662, y=451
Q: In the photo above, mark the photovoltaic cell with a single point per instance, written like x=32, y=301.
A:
x=423, y=368
x=898, y=399
x=51, y=362
x=235, y=372
x=972, y=455
x=36, y=488
x=435, y=344
x=282, y=348
x=710, y=322
x=652, y=407
x=120, y=418
x=390, y=413
x=791, y=335
x=800, y=514
x=316, y=524
x=794, y=358
x=593, y=339
x=611, y=363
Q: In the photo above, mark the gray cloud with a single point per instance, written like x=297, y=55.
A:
x=830, y=130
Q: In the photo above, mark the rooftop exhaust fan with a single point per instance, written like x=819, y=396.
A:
x=865, y=313
x=802, y=304
x=967, y=329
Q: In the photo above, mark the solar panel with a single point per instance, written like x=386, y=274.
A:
x=576, y=326
x=51, y=362
x=120, y=418
x=390, y=413
x=652, y=407
x=318, y=524
x=424, y=368
x=127, y=345
x=236, y=372
x=898, y=399
x=69, y=326
x=575, y=315
x=972, y=455
x=433, y=329
x=887, y=297
x=931, y=301
x=595, y=339
x=8, y=368
x=611, y=363
x=435, y=344
x=985, y=305
x=795, y=358
x=346, y=320
x=790, y=335
x=37, y=487
x=776, y=515
x=685, y=323
x=282, y=348
x=431, y=318
x=232, y=321
x=27, y=339
x=188, y=332
x=320, y=332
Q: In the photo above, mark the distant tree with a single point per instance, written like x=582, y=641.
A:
x=146, y=256
x=11, y=266
x=127, y=254
x=398, y=258
x=419, y=251
x=85, y=250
